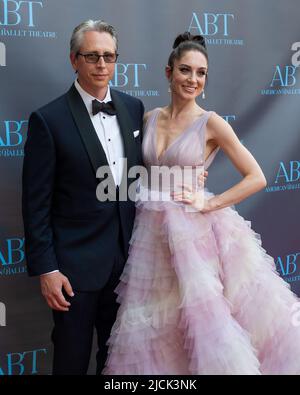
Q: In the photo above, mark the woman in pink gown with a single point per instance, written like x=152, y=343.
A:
x=199, y=295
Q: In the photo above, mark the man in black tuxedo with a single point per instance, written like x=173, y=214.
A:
x=77, y=244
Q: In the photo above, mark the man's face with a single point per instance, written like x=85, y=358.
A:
x=94, y=77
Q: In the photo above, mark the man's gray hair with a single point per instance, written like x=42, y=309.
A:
x=91, y=26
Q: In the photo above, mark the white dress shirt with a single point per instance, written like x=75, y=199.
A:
x=109, y=134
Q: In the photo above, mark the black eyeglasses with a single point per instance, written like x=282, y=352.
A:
x=94, y=57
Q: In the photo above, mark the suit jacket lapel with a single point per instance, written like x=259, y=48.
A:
x=86, y=129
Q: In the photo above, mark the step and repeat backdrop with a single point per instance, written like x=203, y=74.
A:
x=254, y=84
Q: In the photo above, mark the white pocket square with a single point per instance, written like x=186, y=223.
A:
x=136, y=133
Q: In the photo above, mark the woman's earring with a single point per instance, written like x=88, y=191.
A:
x=169, y=89
x=203, y=95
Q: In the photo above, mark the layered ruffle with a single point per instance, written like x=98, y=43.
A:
x=199, y=295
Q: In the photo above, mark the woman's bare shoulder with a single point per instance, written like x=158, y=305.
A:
x=148, y=114
x=216, y=124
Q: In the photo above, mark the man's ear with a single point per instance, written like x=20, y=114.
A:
x=73, y=60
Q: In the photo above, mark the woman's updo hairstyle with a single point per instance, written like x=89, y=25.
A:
x=187, y=42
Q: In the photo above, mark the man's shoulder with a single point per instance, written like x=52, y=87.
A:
x=54, y=105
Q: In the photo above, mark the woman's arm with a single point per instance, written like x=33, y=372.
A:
x=253, y=180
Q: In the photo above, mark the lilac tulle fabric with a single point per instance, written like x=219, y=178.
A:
x=199, y=295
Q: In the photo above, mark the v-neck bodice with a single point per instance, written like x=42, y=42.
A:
x=188, y=149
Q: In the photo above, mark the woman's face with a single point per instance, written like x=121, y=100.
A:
x=188, y=76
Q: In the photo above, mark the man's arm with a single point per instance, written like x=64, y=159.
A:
x=38, y=184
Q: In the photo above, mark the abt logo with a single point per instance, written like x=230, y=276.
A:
x=289, y=173
x=127, y=73
x=2, y=314
x=2, y=55
x=13, y=133
x=229, y=118
x=13, y=252
x=19, y=363
x=211, y=24
x=284, y=76
x=14, y=11
x=287, y=177
x=288, y=264
x=284, y=79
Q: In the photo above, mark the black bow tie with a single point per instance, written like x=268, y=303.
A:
x=108, y=107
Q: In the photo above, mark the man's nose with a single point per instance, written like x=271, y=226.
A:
x=101, y=62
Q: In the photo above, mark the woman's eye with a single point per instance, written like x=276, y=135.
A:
x=184, y=70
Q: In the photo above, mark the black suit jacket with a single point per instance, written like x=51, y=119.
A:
x=66, y=226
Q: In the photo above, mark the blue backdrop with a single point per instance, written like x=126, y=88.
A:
x=254, y=83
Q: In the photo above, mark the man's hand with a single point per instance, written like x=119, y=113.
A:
x=51, y=286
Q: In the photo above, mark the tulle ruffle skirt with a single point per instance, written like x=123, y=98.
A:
x=199, y=295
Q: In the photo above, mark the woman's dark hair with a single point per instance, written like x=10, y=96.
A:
x=187, y=42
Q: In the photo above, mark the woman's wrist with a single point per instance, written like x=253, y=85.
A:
x=212, y=204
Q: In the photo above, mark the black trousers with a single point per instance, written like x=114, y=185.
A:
x=73, y=331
